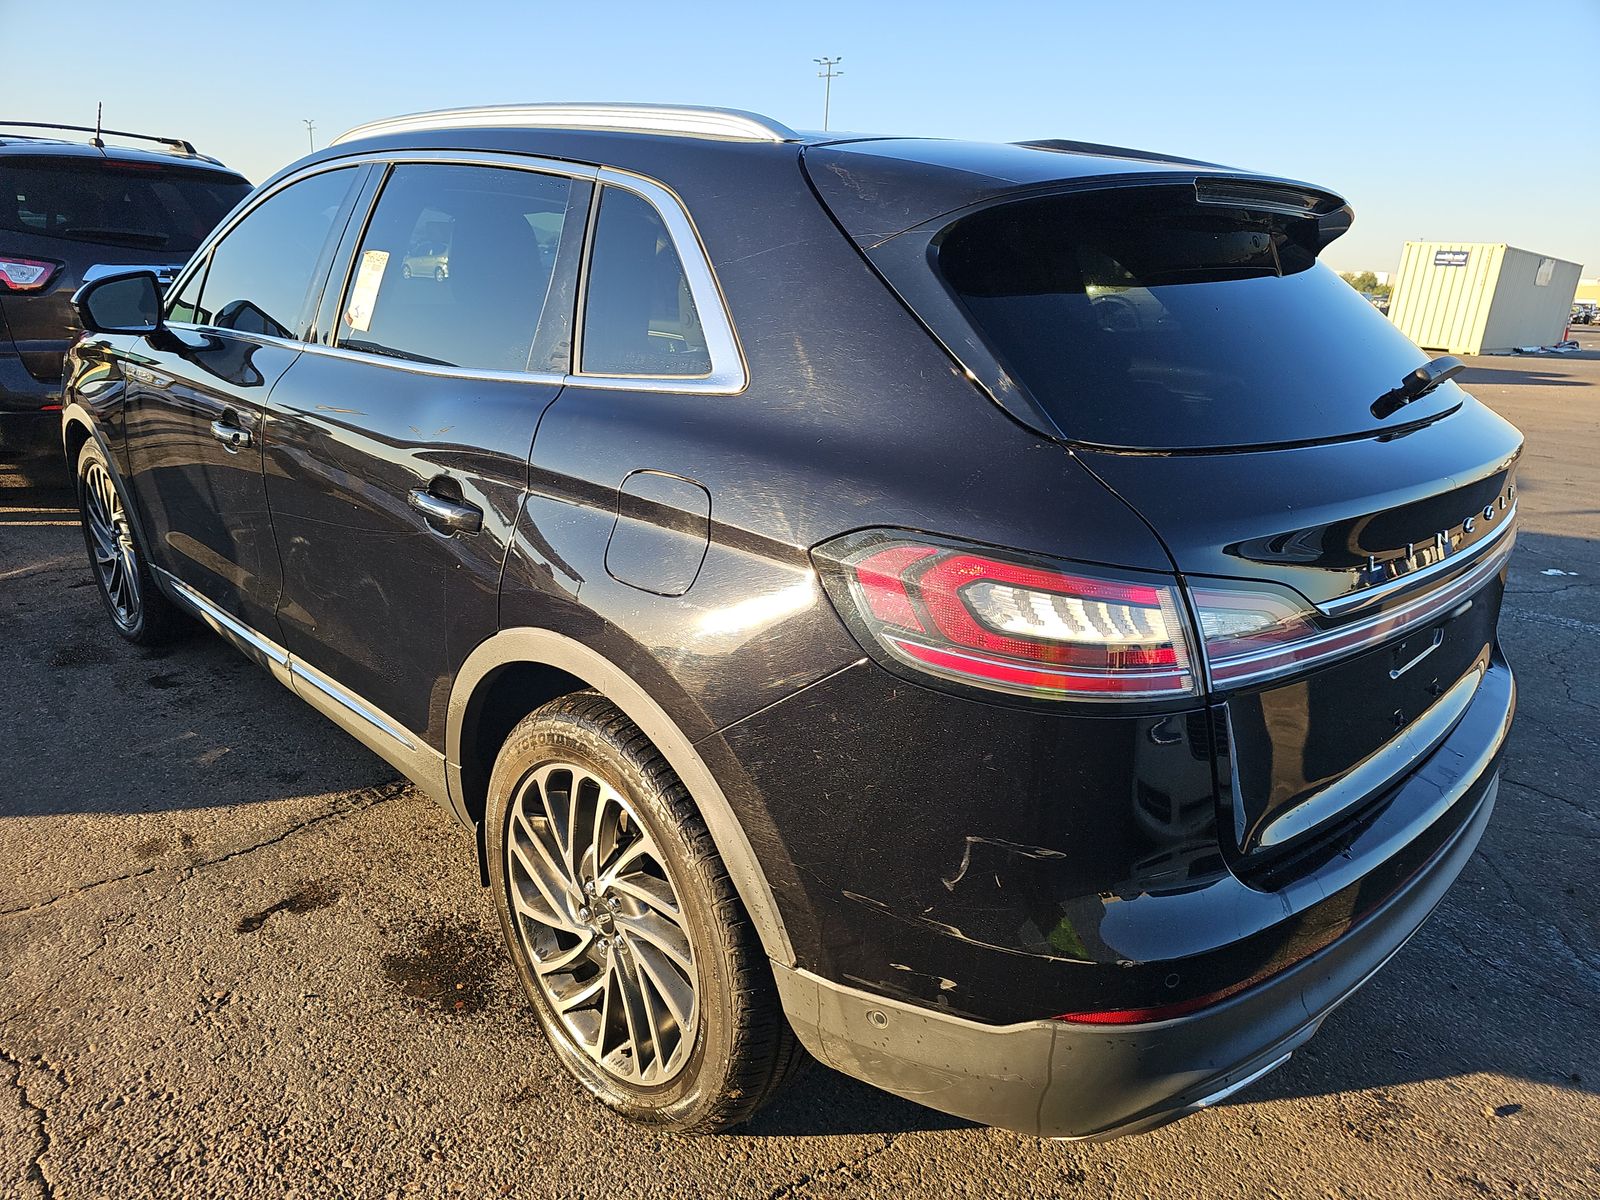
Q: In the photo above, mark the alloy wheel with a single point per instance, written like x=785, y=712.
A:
x=601, y=920
x=116, y=562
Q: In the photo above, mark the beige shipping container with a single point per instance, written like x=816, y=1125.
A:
x=1481, y=297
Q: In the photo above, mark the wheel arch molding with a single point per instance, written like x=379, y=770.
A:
x=547, y=651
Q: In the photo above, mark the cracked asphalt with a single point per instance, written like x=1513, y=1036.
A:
x=239, y=957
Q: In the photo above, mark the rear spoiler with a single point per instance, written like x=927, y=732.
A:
x=1331, y=212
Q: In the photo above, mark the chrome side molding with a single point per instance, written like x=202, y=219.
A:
x=368, y=724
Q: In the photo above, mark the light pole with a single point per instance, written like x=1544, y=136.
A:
x=829, y=75
x=310, y=129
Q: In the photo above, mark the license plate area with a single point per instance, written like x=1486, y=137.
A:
x=1299, y=756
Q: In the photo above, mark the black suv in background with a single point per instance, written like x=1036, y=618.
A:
x=71, y=211
x=1005, y=616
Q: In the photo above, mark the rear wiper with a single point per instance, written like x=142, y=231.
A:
x=1417, y=385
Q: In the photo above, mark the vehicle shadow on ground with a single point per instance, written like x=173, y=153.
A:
x=96, y=725
x=1481, y=373
x=824, y=1103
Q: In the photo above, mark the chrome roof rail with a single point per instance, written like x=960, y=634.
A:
x=728, y=124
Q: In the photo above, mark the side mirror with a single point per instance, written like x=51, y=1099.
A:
x=126, y=303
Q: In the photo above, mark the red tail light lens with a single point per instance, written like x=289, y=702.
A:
x=1024, y=627
x=26, y=274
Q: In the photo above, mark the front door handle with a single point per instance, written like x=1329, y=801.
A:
x=451, y=516
x=231, y=436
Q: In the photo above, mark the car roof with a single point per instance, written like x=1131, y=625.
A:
x=877, y=185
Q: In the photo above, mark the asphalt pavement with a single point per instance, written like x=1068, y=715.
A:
x=239, y=957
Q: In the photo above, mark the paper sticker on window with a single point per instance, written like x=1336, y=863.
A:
x=365, y=292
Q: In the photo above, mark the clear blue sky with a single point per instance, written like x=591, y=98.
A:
x=1469, y=120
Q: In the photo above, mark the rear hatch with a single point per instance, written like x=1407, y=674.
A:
x=76, y=213
x=1344, y=560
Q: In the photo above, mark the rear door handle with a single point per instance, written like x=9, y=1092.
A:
x=230, y=436
x=452, y=516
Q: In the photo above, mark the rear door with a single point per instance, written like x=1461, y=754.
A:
x=1344, y=558
x=397, y=448
x=195, y=398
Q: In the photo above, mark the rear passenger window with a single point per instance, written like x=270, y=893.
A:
x=639, y=316
x=261, y=272
x=455, y=266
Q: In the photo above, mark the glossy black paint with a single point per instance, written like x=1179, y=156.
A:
x=1023, y=864
x=1001, y=859
x=205, y=501
x=375, y=596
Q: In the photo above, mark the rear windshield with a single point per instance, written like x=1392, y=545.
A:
x=1144, y=319
x=145, y=205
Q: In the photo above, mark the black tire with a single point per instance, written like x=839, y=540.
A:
x=742, y=1049
x=139, y=610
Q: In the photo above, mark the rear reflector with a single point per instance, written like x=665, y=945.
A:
x=1027, y=627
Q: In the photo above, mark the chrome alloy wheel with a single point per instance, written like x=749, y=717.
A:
x=601, y=920
x=111, y=545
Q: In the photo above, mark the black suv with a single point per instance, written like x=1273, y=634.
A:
x=1002, y=615
x=71, y=212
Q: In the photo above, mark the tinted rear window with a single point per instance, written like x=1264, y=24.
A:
x=145, y=205
x=1143, y=319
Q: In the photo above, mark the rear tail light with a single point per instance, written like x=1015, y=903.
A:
x=1026, y=627
x=26, y=274
x=1052, y=630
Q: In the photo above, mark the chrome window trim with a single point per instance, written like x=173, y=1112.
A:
x=421, y=368
x=728, y=374
x=721, y=124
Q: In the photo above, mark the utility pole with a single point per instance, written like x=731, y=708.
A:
x=829, y=75
x=310, y=129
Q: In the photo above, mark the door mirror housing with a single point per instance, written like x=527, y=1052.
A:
x=129, y=302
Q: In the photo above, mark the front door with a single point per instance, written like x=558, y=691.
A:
x=397, y=456
x=196, y=398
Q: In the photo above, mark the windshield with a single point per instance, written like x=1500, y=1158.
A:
x=145, y=205
x=1143, y=319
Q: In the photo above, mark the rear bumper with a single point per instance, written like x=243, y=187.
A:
x=27, y=430
x=1054, y=1079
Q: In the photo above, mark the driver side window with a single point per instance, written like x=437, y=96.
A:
x=261, y=273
